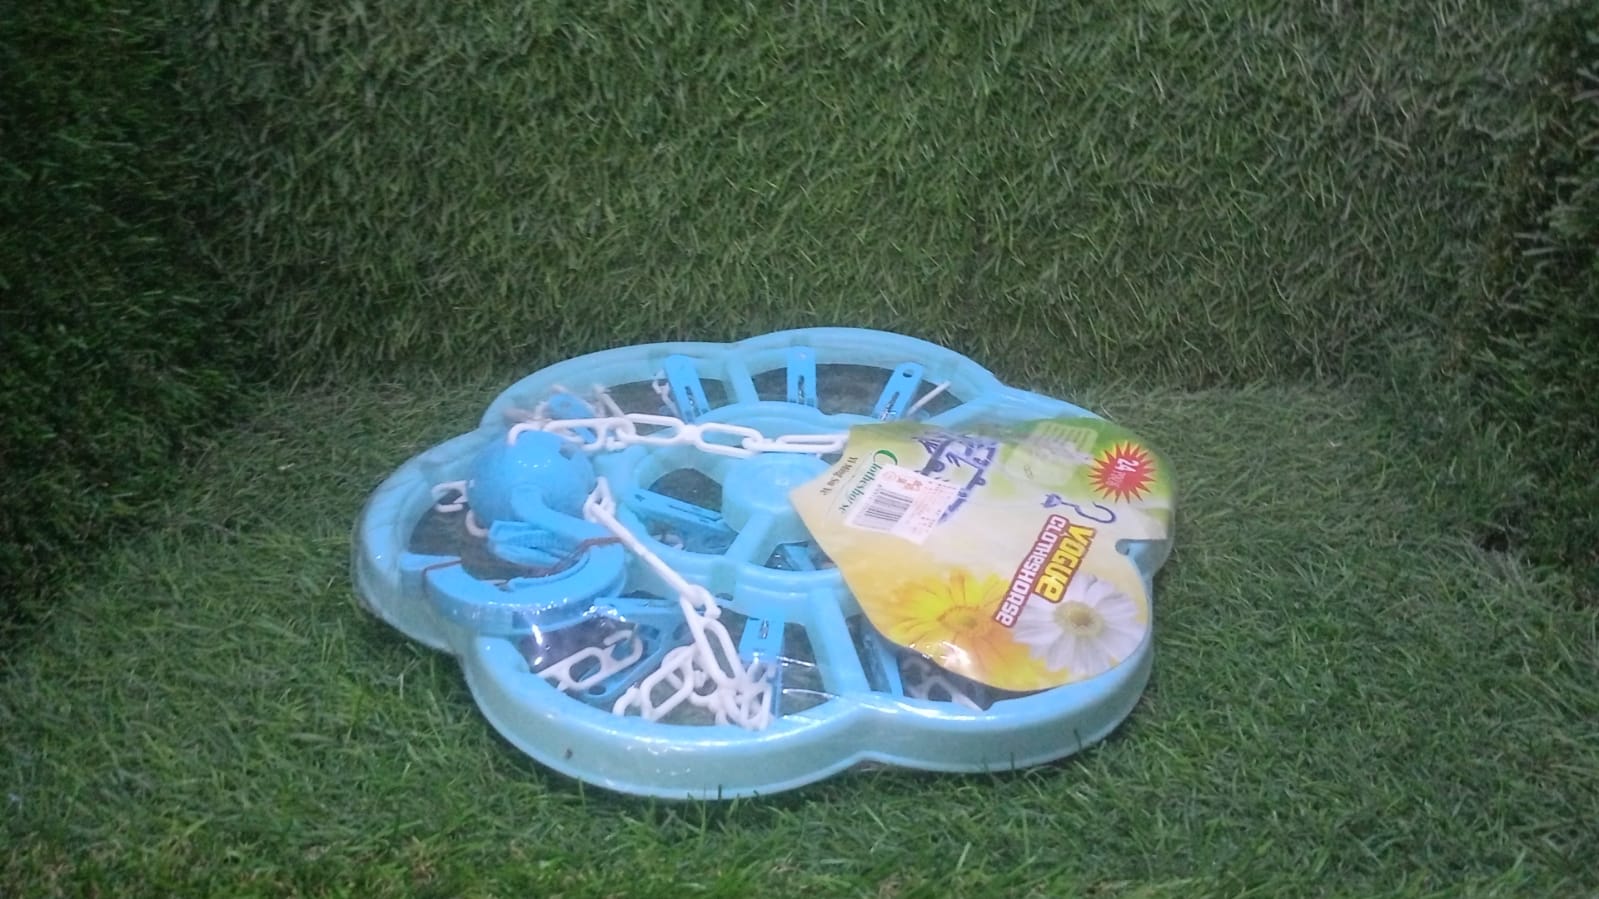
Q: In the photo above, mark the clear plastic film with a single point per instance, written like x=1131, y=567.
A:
x=707, y=570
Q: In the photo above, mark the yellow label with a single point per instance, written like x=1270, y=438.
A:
x=994, y=551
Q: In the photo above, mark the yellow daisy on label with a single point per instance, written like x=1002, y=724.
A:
x=1091, y=630
x=950, y=619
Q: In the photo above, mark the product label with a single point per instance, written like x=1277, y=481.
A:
x=904, y=503
x=994, y=551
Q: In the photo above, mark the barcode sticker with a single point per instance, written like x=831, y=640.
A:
x=902, y=502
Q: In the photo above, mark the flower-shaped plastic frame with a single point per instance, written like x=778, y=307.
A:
x=557, y=622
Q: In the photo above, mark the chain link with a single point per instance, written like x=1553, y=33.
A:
x=707, y=672
x=616, y=432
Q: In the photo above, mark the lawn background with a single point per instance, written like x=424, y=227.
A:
x=213, y=209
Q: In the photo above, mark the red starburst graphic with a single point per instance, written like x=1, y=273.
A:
x=1123, y=472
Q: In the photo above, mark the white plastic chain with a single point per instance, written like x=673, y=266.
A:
x=707, y=672
x=450, y=496
x=560, y=674
x=615, y=432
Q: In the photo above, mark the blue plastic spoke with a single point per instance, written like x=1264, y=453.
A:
x=843, y=670
x=754, y=543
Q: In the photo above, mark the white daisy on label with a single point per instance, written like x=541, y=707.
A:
x=1090, y=631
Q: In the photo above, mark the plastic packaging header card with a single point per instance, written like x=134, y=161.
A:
x=997, y=551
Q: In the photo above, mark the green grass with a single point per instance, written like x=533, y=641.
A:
x=1354, y=694
x=1533, y=323
x=114, y=337
x=1205, y=193
x=1209, y=192
x=1350, y=696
